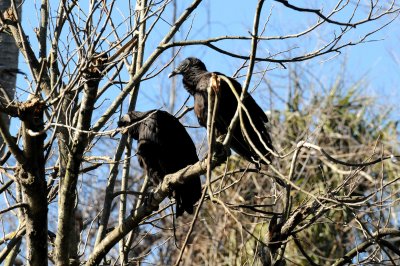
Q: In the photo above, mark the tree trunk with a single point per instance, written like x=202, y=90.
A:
x=33, y=179
x=67, y=193
x=8, y=59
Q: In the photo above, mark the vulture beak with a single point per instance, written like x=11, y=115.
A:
x=173, y=73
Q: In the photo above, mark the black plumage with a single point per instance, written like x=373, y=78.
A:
x=196, y=80
x=164, y=147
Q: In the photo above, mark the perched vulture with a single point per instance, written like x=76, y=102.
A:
x=196, y=80
x=164, y=147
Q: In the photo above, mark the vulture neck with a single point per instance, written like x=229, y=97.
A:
x=191, y=78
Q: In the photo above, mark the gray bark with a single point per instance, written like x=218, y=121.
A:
x=33, y=179
x=67, y=193
x=9, y=59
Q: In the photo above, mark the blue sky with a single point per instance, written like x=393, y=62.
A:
x=377, y=62
x=373, y=61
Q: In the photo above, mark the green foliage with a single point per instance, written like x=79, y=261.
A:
x=345, y=124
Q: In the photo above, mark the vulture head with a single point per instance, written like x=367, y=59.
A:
x=187, y=65
x=131, y=122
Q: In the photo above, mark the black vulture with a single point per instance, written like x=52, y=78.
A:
x=196, y=80
x=164, y=147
